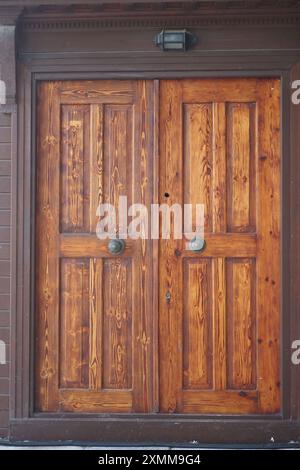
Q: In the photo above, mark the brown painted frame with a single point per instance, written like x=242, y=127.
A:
x=24, y=423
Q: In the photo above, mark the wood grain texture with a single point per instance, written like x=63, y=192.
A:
x=96, y=323
x=268, y=250
x=88, y=401
x=241, y=324
x=145, y=376
x=78, y=245
x=74, y=162
x=89, y=343
x=220, y=402
x=74, y=323
x=219, y=190
x=170, y=274
x=117, y=324
x=229, y=245
x=95, y=92
x=118, y=157
x=219, y=323
x=96, y=162
x=230, y=156
x=241, y=140
x=197, y=325
x=217, y=345
x=198, y=158
x=47, y=260
x=221, y=90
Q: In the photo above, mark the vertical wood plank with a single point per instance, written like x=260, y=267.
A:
x=47, y=262
x=96, y=323
x=219, y=325
x=142, y=285
x=268, y=256
x=219, y=168
x=96, y=162
x=170, y=277
x=155, y=248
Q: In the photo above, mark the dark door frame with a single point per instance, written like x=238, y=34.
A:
x=41, y=62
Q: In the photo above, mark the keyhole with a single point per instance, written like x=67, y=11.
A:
x=167, y=195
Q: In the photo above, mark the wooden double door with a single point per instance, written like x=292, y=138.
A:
x=158, y=328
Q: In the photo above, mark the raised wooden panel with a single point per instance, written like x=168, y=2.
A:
x=197, y=325
x=241, y=164
x=198, y=131
x=117, y=324
x=118, y=153
x=75, y=171
x=74, y=323
x=96, y=161
x=241, y=324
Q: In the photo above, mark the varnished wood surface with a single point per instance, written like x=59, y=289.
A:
x=220, y=330
x=101, y=337
x=170, y=270
x=47, y=261
x=94, y=322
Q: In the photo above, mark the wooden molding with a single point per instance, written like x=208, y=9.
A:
x=143, y=14
x=49, y=24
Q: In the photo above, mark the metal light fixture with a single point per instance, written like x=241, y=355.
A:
x=178, y=40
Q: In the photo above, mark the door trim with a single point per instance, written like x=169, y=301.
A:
x=165, y=431
x=24, y=395
x=24, y=423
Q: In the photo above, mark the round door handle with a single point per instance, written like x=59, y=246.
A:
x=197, y=244
x=116, y=246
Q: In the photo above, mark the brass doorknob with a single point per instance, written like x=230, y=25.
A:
x=116, y=246
x=197, y=244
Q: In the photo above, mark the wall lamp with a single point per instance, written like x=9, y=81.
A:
x=179, y=40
